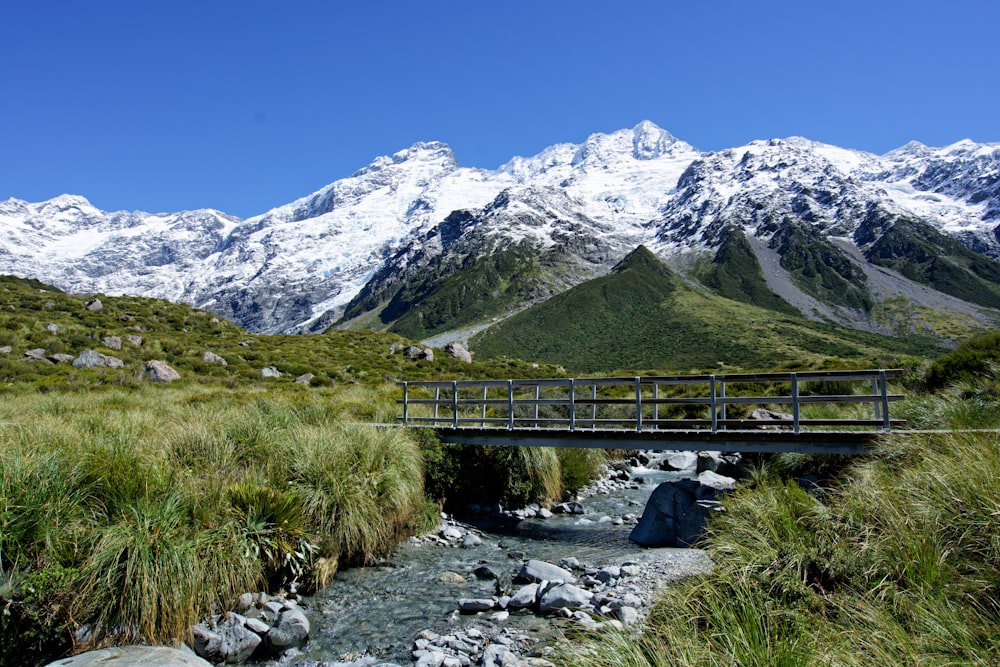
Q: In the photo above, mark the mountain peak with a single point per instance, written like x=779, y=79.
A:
x=649, y=141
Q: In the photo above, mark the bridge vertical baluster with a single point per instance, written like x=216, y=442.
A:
x=795, y=403
x=593, y=407
x=722, y=406
x=713, y=403
x=875, y=401
x=538, y=395
x=482, y=411
x=638, y=404
x=510, y=405
x=656, y=405
x=572, y=404
x=406, y=406
x=454, y=404
x=437, y=397
x=886, y=424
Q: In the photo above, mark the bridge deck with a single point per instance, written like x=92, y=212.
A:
x=684, y=412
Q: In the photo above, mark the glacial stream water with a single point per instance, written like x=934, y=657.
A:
x=379, y=610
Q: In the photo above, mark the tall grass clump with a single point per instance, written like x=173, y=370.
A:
x=894, y=561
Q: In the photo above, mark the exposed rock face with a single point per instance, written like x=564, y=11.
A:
x=158, y=371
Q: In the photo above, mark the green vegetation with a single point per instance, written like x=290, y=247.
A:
x=735, y=273
x=894, y=560
x=925, y=255
x=641, y=315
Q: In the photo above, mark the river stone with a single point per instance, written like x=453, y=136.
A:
x=158, y=371
x=686, y=461
x=230, y=641
x=716, y=481
x=473, y=605
x=291, y=630
x=130, y=656
x=628, y=615
x=429, y=658
x=498, y=655
x=672, y=516
x=524, y=597
x=471, y=540
x=565, y=596
x=537, y=570
x=451, y=578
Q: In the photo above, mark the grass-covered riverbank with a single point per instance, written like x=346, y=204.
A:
x=893, y=559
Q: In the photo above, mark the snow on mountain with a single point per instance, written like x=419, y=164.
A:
x=283, y=269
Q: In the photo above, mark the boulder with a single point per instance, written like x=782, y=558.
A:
x=537, y=570
x=305, y=378
x=135, y=340
x=396, y=347
x=6, y=349
x=95, y=304
x=686, y=461
x=112, y=342
x=213, y=358
x=92, y=359
x=291, y=630
x=474, y=605
x=129, y=656
x=459, y=352
x=416, y=352
x=564, y=596
x=674, y=515
x=270, y=372
x=524, y=598
x=52, y=328
x=231, y=641
x=59, y=358
x=36, y=354
x=716, y=481
x=158, y=371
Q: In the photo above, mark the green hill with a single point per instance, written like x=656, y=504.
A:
x=643, y=316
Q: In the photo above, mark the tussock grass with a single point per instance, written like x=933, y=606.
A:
x=894, y=561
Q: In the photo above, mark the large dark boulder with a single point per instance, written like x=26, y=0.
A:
x=675, y=514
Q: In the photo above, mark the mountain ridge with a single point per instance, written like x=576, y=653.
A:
x=351, y=246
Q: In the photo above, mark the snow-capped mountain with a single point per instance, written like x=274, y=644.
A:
x=387, y=239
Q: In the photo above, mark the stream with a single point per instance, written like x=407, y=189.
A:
x=375, y=613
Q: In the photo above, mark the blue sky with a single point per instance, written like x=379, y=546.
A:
x=243, y=106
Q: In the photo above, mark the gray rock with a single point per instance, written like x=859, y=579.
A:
x=135, y=340
x=415, y=352
x=716, y=481
x=564, y=596
x=471, y=540
x=459, y=352
x=158, y=371
x=230, y=641
x=258, y=626
x=451, y=578
x=450, y=533
x=396, y=347
x=36, y=354
x=59, y=358
x=524, y=598
x=95, y=304
x=112, y=342
x=305, y=378
x=686, y=461
x=627, y=615
x=537, y=570
x=608, y=574
x=92, y=359
x=429, y=658
x=6, y=349
x=473, y=605
x=270, y=372
x=130, y=656
x=291, y=630
x=212, y=358
x=673, y=516
x=52, y=328
x=244, y=602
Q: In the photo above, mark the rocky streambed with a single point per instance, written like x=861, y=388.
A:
x=500, y=588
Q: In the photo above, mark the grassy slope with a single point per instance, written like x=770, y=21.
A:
x=643, y=316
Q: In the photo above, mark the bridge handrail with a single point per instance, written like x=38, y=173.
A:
x=456, y=399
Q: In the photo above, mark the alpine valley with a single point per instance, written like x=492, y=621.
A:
x=903, y=244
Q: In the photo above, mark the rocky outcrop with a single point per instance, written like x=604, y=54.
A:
x=92, y=359
x=675, y=514
x=458, y=351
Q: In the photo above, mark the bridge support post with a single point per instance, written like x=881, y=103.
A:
x=884, y=402
x=795, y=403
x=510, y=405
x=406, y=405
x=713, y=404
x=638, y=404
x=572, y=404
x=454, y=404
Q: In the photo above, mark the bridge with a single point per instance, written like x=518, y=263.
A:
x=746, y=412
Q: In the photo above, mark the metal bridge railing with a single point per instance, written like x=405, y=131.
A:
x=650, y=403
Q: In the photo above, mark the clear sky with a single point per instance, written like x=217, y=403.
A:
x=242, y=105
